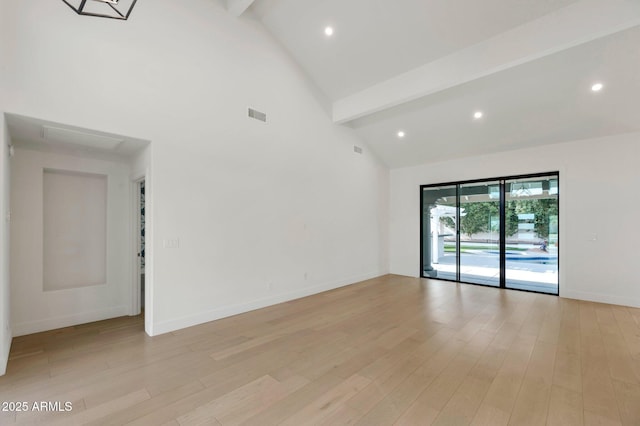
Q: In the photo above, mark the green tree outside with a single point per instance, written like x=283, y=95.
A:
x=543, y=210
x=477, y=218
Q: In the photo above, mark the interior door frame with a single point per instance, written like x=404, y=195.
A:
x=136, y=284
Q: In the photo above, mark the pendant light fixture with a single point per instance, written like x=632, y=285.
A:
x=114, y=9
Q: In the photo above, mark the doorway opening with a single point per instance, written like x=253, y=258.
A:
x=140, y=244
x=75, y=192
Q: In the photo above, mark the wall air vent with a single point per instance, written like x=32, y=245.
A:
x=357, y=149
x=254, y=113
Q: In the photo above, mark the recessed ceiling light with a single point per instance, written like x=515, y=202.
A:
x=597, y=87
x=328, y=31
x=401, y=134
x=478, y=115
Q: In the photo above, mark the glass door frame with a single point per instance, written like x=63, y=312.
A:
x=502, y=212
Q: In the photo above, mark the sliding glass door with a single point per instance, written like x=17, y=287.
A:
x=499, y=232
x=480, y=233
x=439, y=223
x=531, y=255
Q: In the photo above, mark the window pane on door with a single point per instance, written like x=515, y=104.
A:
x=439, y=218
x=532, y=234
x=480, y=233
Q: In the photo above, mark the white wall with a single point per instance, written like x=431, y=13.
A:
x=263, y=212
x=598, y=194
x=32, y=308
x=5, y=312
x=140, y=163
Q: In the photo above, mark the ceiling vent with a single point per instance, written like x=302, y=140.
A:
x=255, y=114
x=77, y=137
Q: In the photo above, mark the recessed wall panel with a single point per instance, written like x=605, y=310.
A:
x=75, y=229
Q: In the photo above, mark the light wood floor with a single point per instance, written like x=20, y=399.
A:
x=392, y=350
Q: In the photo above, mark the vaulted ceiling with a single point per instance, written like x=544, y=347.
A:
x=425, y=67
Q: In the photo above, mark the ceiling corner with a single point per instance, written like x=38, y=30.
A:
x=238, y=7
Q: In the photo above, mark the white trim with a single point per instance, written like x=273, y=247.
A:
x=601, y=298
x=240, y=308
x=24, y=328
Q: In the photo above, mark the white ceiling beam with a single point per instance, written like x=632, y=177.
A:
x=238, y=7
x=579, y=23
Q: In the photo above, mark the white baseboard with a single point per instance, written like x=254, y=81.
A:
x=23, y=328
x=4, y=356
x=227, y=311
x=600, y=298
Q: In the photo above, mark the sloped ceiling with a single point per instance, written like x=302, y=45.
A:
x=378, y=39
x=425, y=66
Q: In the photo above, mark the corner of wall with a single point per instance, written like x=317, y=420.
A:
x=5, y=345
x=5, y=324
